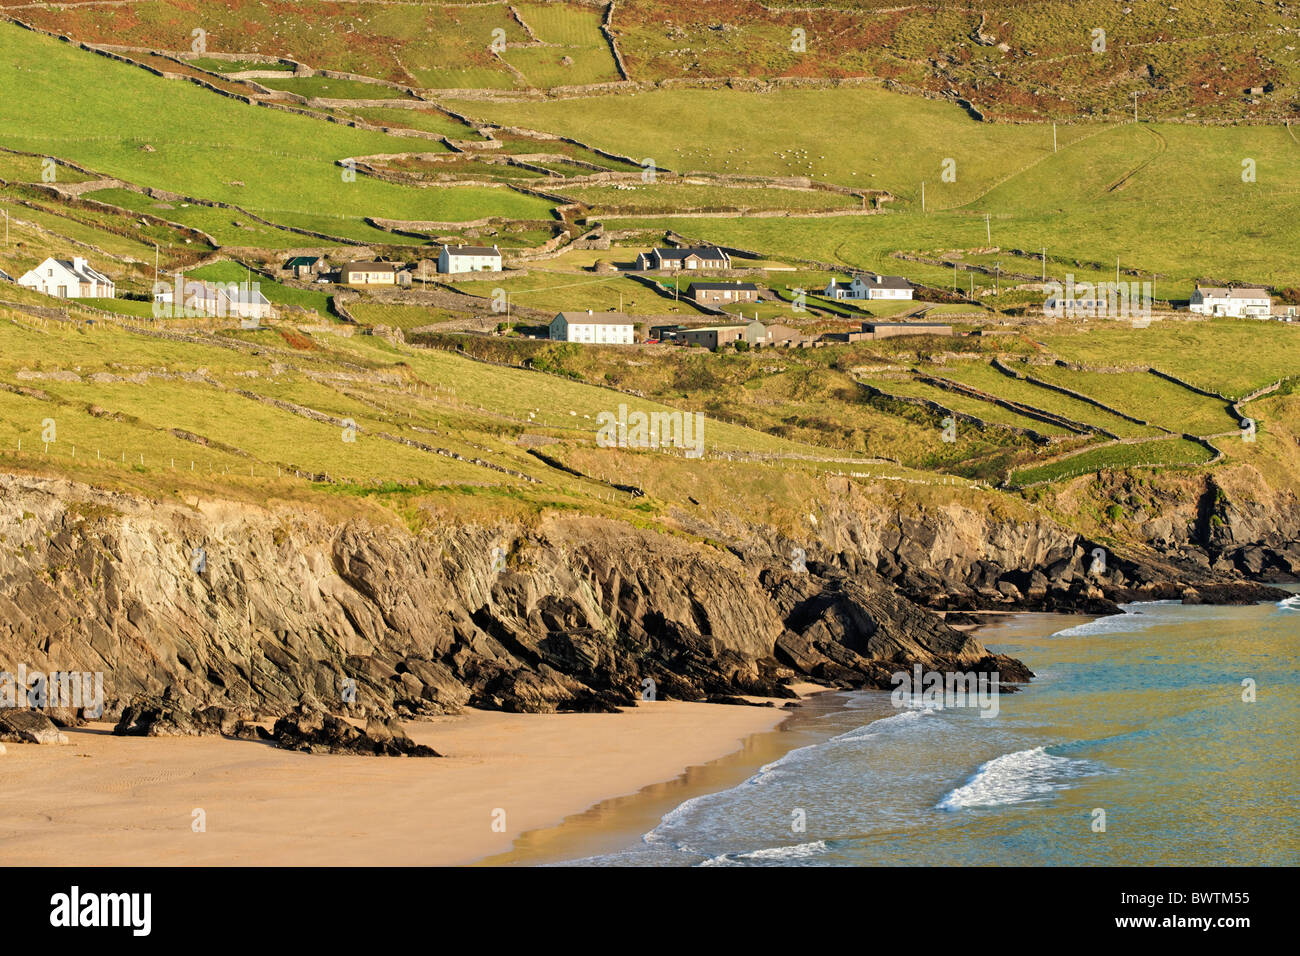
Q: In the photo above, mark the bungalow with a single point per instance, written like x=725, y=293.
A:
x=220, y=299
x=469, y=259
x=6, y=276
x=712, y=337
x=593, y=328
x=370, y=273
x=700, y=257
x=68, y=279
x=721, y=293
x=870, y=286
x=304, y=267
x=1252, y=303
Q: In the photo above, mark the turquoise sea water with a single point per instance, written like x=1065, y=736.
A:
x=1140, y=716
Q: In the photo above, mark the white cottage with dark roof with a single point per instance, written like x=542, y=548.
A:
x=469, y=259
x=870, y=286
x=68, y=279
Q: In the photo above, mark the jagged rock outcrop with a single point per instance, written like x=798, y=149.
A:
x=29, y=727
x=318, y=733
x=200, y=617
x=213, y=616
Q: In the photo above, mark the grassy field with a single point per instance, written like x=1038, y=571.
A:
x=330, y=88
x=275, y=163
x=686, y=197
x=1122, y=187
x=1111, y=457
x=404, y=317
x=954, y=401
x=781, y=133
x=225, y=226
x=1033, y=61
x=1192, y=350
x=1145, y=396
x=986, y=378
x=559, y=291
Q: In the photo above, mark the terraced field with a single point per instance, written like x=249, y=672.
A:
x=1147, y=397
x=957, y=402
x=1176, y=452
x=985, y=377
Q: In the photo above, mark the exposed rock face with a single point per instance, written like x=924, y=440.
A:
x=201, y=618
x=29, y=727
x=317, y=733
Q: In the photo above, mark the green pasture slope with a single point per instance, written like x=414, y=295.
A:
x=1138, y=192
x=103, y=114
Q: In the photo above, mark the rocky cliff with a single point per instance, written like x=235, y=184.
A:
x=267, y=611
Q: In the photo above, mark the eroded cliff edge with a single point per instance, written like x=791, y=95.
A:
x=266, y=610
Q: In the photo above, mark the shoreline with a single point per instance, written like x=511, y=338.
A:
x=103, y=800
x=615, y=823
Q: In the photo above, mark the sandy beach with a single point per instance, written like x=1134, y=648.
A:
x=105, y=800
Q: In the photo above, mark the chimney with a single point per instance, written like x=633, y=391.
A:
x=78, y=263
x=878, y=278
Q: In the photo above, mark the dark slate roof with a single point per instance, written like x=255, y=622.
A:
x=720, y=286
x=297, y=261
x=704, y=252
x=472, y=251
x=373, y=266
x=887, y=282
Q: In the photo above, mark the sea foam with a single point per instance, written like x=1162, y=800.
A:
x=1016, y=778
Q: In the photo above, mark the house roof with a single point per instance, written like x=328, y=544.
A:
x=872, y=326
x=472, y=250
x=297, y=261
x=374, y=266
x=595, y=318
x=717, y=328
x=704, y=252
x=721, y=286
x=6, y=276
x=886, y=282
x=1219, y=292
x=81, y=269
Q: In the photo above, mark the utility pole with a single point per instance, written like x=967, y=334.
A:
x=988, y=230
x=922, y=197
x=1117, y=272
x=1044, y=263
x=1053, y=137
x=1135, y=106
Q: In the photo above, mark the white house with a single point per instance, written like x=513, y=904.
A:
x=593, y=328
x=469, y=259
x=219, y=299
x=68, y=280
x=870, y=287
x=1239, y=303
